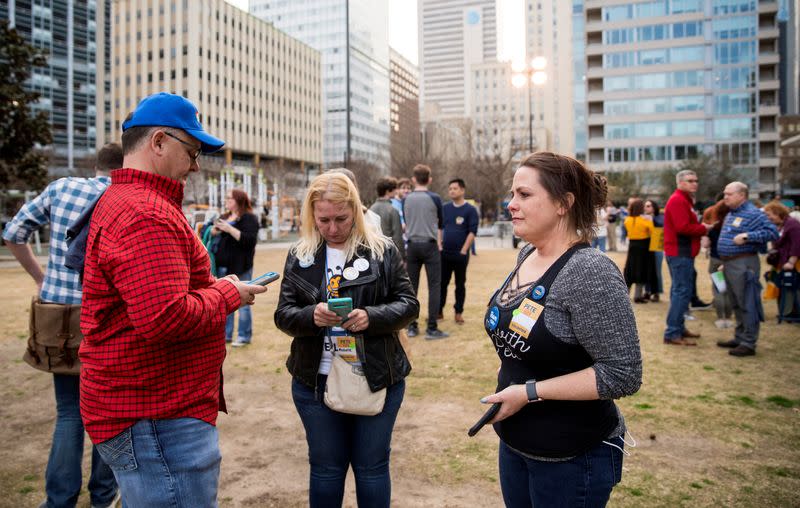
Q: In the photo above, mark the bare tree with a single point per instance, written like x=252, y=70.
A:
x=488, y=168
x=367, y=175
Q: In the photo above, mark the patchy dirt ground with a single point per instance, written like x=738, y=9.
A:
x=711, y=429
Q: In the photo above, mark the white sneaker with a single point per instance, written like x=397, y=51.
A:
x=689, y=317
x=721, y=323
x=239, y=343
x=729, y=323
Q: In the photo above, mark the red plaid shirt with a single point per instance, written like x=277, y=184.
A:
x=153, y=317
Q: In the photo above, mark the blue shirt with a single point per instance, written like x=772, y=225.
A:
x=459, y=222
x=398, y=205
x=746, y=219
x=59, y=204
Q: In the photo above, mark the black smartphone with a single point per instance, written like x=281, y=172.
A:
x=488, y=415
x=264, y=279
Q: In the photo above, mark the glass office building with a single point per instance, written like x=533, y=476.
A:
x=74, y=85
x=669, y=79
x=322, y=24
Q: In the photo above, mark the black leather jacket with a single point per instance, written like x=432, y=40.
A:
x=384, y=291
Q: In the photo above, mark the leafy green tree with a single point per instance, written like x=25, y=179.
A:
x=21, y=129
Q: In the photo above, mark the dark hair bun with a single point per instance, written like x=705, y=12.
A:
x=600, y=191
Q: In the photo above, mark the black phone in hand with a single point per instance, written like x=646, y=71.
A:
x=487, y=416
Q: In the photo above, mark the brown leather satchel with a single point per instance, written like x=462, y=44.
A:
x=55, y=336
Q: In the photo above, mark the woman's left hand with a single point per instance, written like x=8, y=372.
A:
x=788, y=267
x=514, y=398
x=223, y=226
x=357, y=321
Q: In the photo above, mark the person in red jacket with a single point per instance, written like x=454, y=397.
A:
x=682, y=233
x=153, y=317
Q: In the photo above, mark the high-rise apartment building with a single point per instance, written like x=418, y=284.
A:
x=352, y=36
x=789, y=47
x=579, y=79
x=669, y=79
x=74, y=84
x=453, y=36
x=404, y=137
x=255, y=87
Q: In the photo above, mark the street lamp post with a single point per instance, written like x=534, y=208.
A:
x=533, y=74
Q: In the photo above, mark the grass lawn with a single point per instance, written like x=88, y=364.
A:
x=711, y=429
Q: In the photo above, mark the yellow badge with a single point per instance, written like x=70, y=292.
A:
x=525, y=317
x=737, y=222
x=346, y=348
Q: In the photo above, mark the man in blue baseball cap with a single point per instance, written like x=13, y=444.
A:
x=161, y=120
x=153, y=317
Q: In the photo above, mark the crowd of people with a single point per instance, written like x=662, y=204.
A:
x=734, y=232
x=156, y=308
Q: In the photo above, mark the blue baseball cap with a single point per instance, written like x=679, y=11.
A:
x=169, y=110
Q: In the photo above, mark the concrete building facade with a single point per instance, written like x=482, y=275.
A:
x=404, y=138
x=669, y=79
x=548, y=34
x=363, y=133
x=255, y=87
x=453, y=35
x=74, y=85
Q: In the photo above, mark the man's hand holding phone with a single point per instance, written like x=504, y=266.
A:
x=247, y=291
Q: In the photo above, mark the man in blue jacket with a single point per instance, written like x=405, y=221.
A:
x=744, y=234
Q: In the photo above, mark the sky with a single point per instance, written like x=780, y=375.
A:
x=402, y=26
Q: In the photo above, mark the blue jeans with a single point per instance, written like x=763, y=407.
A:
x=599, y=243
x=245, y=313
x=166, y=463
x=585, y=480
x=63, y=476
x=681, y=269
x=337, y=441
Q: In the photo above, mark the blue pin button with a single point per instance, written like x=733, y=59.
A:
x=305, y=263
x=538, y=292
x=493, y=318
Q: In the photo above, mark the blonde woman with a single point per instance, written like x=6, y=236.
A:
x=339, y=256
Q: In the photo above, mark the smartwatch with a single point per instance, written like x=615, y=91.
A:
x=530, y=389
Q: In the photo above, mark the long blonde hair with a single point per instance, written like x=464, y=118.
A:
x=336, y=188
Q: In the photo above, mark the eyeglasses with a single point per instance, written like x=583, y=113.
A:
x=194, y=154
x=691, y=181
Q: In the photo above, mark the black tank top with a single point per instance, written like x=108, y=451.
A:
x=527, y=350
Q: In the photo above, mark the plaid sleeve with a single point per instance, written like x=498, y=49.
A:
x=32, y=216
x=150, y=268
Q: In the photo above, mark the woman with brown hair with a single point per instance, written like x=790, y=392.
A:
x=640, y=265
x=563, y=328
x=238, y=230
x=787, y=253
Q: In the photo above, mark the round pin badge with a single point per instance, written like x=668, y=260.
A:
x=493, y=319
x=350, y=273
x=305, y=263
x=361, y=264
x=538, y=292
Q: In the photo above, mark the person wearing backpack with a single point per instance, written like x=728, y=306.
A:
x=54, y=311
